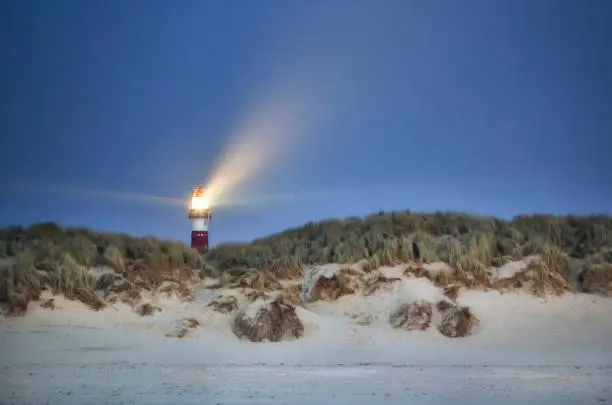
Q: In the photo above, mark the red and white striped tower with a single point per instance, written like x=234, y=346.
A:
x=200, y=215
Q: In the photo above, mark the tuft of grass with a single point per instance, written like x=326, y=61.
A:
x=443, y=278
x=550, y=274
x=114, y=258
x=412, y=316
x=20, y=283
x=452, y=291
x=272, y=320
x=345, y=282
x=472, y=273
x=457, y=321
x=596, y=278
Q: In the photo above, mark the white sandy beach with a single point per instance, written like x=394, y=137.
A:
x=553, y=351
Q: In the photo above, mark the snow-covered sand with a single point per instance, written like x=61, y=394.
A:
x=557, y=351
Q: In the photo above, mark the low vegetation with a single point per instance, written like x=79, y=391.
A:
x=469, y=244
x=412, y=316
x=573, y=251
x=48, y=257
x=270, y=320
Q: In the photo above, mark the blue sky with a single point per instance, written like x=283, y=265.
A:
x=493, y=107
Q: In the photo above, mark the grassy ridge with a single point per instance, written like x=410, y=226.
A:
x=48, y=256
x=469, y=243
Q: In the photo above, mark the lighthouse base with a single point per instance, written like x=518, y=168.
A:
x=199, y=240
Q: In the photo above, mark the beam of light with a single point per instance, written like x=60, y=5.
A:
x=257, y=146
x=280, y=124
x=313, y=74
x=50, y=189
x=238, y=200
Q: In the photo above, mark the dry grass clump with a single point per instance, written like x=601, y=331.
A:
x=184, y=327
x=288, y=273
x=412, y=316
x=208, y=271
x=179, y=290
x=292, y=293
x=130, y=297
x=472, y=273
x=416, y=272
x=259, y=280
x=443, y=278
x=89, y=297
x=344, y=282
x=115, y=288
x=48, y=304
x=596, y=278
x=370, y=263
x=550, y=275
x=232, y=276
x=452, y=291
x=543, y=276
x=224, y=303
x=20, y=284
x=378, y=281
x=74, y=282
x=110, y=282
x=254, y=295
x=114, y=258
x=147, y=309
x=271, y=320
x=444, y=305
x=516, y=282
x=457, y=321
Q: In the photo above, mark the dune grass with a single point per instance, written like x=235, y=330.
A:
x=46, y=256
x=386, y=238
x=470, y=244
x=49, y=256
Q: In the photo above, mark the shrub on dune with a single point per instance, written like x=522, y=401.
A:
x=176, y=289
x=272, y=320
x=457, y=321
x=596, y=279
x=452, y=291
x=411, y=316
x=259, y=280
x=346, y=281
x=293, y=294
x=224, y=303
x=20, y=283
x=147, y=309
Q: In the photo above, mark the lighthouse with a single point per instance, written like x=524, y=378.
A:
x=200, y=215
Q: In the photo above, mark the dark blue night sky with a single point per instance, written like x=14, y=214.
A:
x=492, y=107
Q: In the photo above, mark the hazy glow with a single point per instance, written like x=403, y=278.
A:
x=273, y=131
x=49, y=188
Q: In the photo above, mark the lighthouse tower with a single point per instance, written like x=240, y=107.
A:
x=200, y=215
